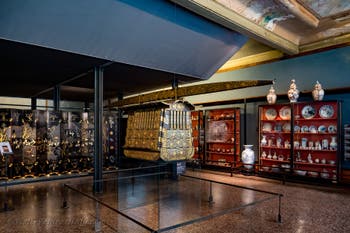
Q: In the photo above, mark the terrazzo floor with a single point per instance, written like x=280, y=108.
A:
x=305, y=208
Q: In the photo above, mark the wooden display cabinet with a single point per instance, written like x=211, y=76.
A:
x=300, y=139
x=275, y=138
x=198, y=134
x=345, y=174
x=316, y=139
x=222, y=137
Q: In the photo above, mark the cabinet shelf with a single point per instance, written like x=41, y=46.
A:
x=278, y=120
x=316, y=164
x=275, y=132
x=231, y=119
x=311, y=150
x=218, y=142
x=317, y=119
x=221, y=153
x=275, y=160
x=316, y=134
x=275, y=148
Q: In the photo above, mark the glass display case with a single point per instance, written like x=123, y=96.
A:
x=300, y=139
x=222, y=137
x=49, y=143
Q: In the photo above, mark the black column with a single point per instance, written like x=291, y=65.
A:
x=98, y=114
x=33, y=103
x=56, y=98
x=119, y=131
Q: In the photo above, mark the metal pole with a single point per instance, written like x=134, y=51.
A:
x=64, y=194
x=6, y=205
x=98, y=115
x=210, y=199
x=245, y=122
x=56, y=97
x=279, y=217
x=86, y=106
x=33, y=103
x=119, y=132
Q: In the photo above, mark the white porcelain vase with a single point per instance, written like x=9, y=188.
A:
x=271, y=96
x=333, y=144
x=293, y=92
x=263, y=140
x=248, y=157
x=318, y=92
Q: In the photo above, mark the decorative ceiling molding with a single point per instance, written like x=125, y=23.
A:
x=251, y=60
x=343, y=40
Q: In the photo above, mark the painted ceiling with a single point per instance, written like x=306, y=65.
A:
x=291, y=27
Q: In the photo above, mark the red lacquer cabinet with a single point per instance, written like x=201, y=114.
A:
x=198, y=134
x=222, y=137
x=301, y=139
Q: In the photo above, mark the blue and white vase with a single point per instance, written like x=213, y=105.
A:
x=293, y=92
x=248, y=157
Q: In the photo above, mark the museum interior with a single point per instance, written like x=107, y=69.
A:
x=175, y=116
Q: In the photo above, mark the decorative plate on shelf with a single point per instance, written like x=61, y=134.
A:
x=326, y=111
x=322, y=129
x=285, y=113
x=271, y=114
x=304, y=129
x=267, y=127
x=308, y=112
x=332, y=129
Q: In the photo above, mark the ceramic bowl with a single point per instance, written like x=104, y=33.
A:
x=275, y=168
x=286, y=167
x=300, y=172
x=313, y=174
x=324, y=175
x=331, y=162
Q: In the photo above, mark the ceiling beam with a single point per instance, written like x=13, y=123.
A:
x=338, y=41
x=251, y=60
x=234, y=21
x=188, y=91
x=71, y=79
x=301, y=12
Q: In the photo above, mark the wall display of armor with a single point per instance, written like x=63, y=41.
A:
x=51, y=143
x=164, y=133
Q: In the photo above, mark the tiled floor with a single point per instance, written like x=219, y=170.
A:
x=305, y=208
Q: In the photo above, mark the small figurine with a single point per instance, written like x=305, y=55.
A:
x=318, y=92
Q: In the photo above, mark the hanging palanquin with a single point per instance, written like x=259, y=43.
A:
x=164, y=133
